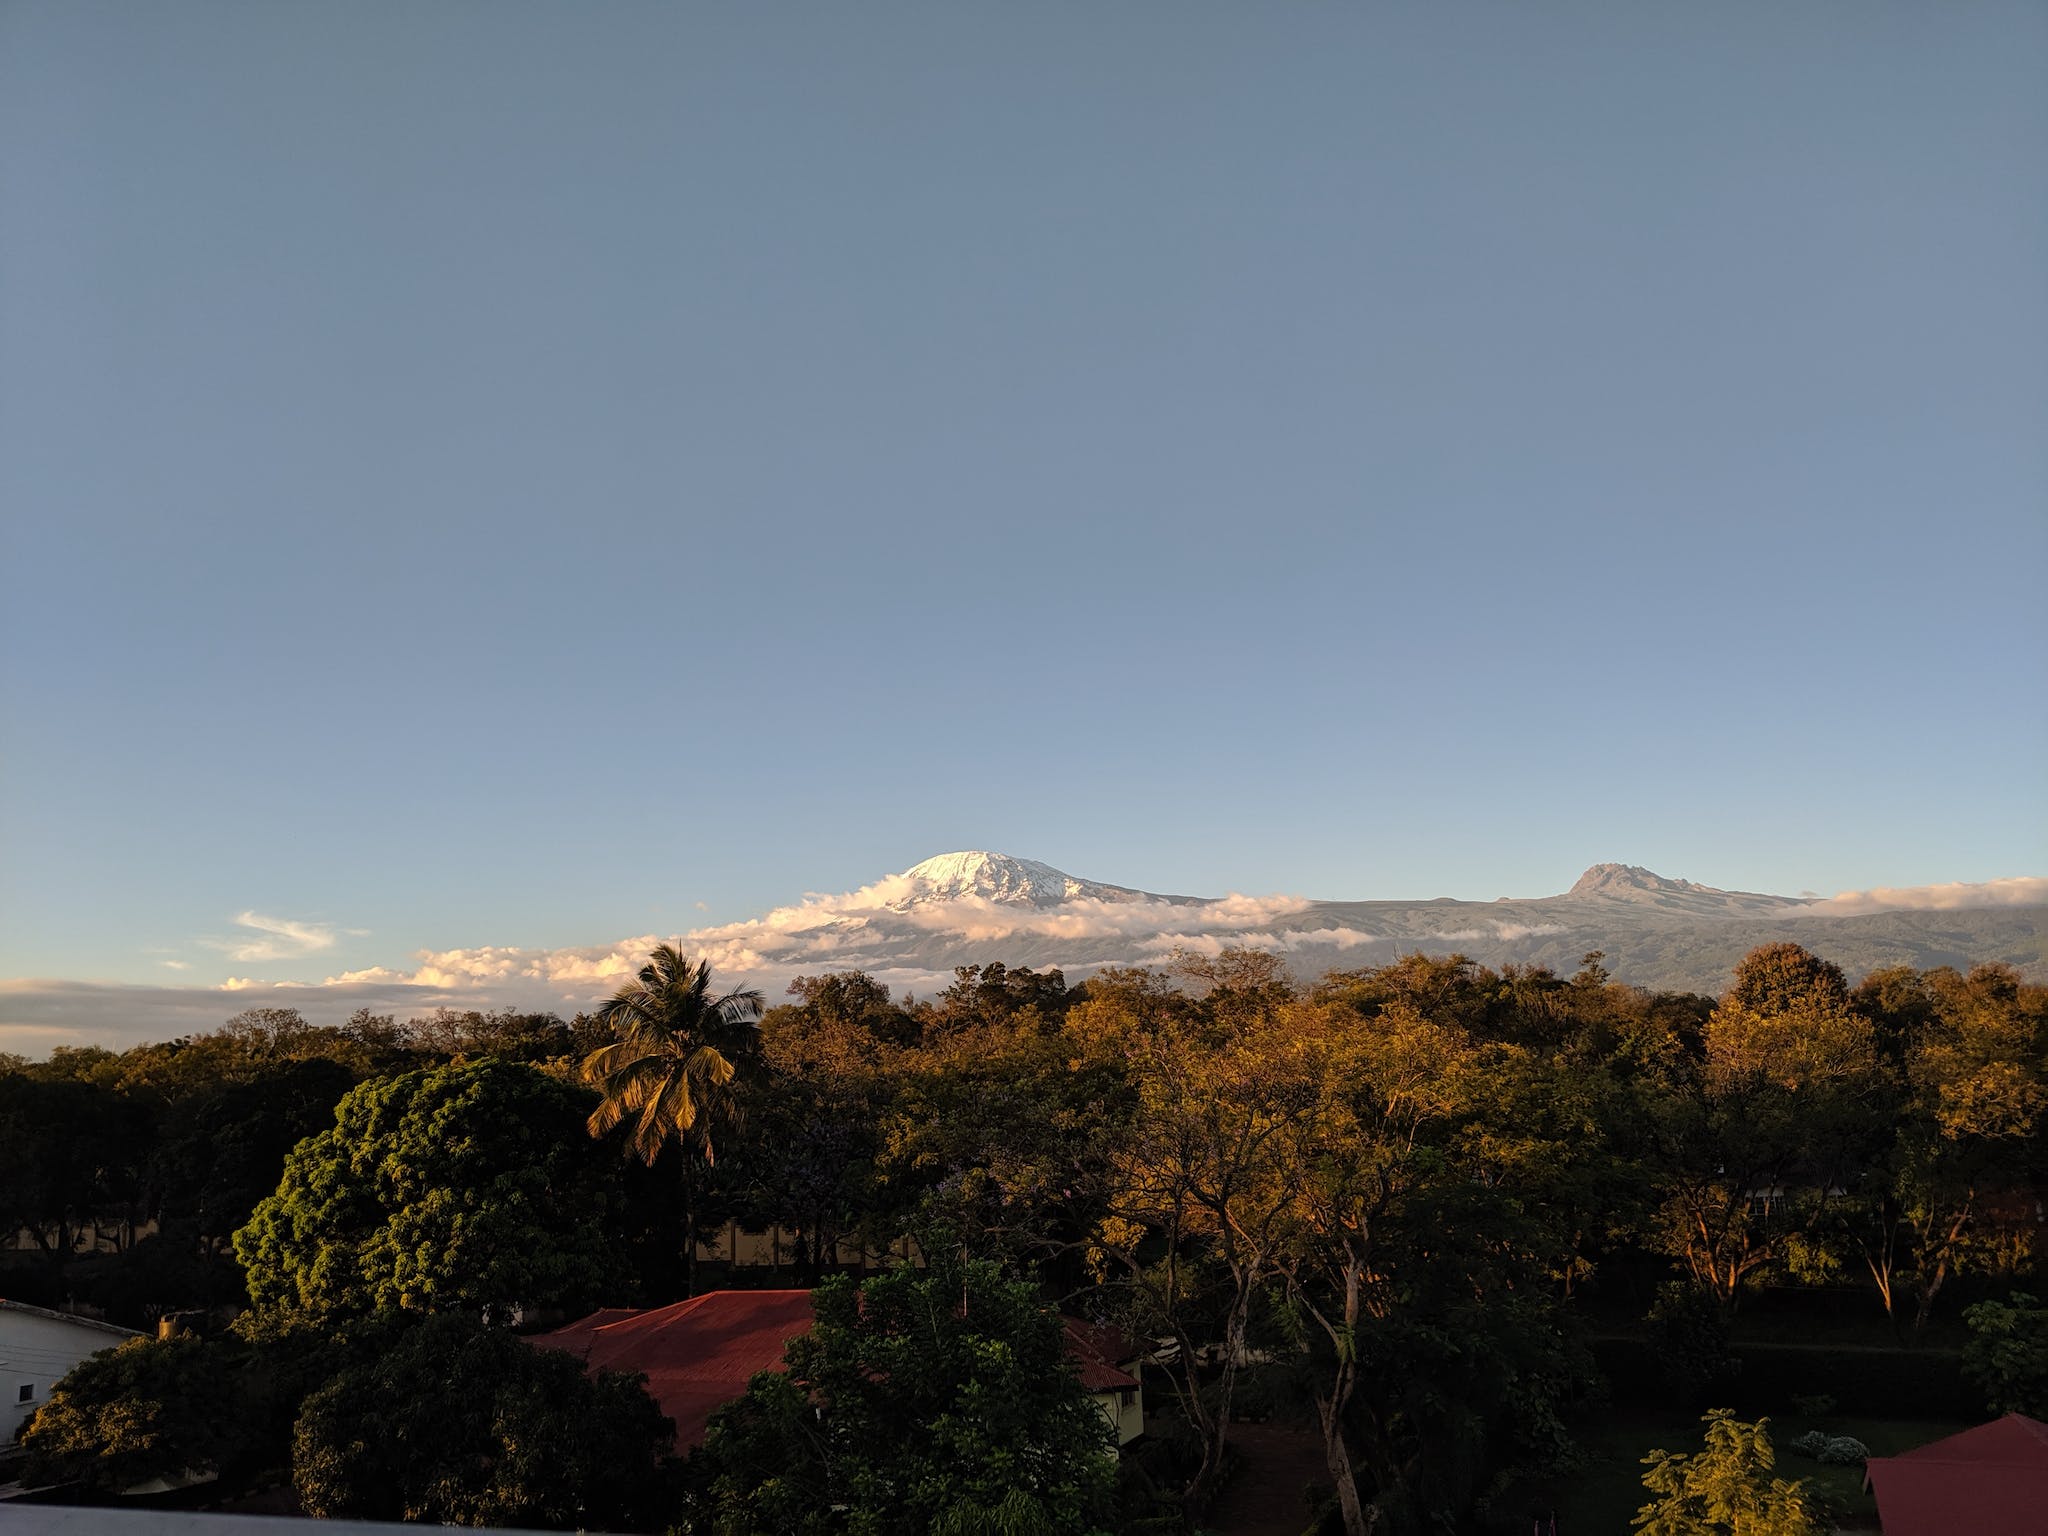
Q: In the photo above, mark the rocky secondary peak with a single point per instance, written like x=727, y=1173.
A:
x=998, y=877
x=1633, y=879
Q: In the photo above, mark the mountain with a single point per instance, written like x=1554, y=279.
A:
x=975, y=906
x=998, y=877
x=1639, y=887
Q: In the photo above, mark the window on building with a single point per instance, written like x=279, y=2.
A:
x=27, y=1394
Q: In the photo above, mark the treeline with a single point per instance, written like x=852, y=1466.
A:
x=1397, y=1195
x=124, y=1174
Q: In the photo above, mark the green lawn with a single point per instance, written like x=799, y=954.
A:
x=1604, y=1499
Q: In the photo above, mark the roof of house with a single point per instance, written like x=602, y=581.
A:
x=67, y=1317
x=1997, y=1471
x=698, y=1355
x=1101, y=1352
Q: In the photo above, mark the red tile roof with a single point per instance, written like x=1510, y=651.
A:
x=698, y=1355
x=1100, y=1351
x=1997, y=1474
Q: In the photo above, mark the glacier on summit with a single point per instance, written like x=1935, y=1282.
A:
x=998, y=877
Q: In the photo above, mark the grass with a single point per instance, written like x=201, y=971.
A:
x=1605, y=1497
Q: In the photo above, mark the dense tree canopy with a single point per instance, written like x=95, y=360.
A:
x=941, y=1401
x=461, y=1423
x=461, y=1188
x=146, y=1409
x=1392, y=1200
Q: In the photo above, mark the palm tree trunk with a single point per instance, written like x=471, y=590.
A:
x=689, y=1222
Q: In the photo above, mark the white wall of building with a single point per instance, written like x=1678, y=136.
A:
x=37, y=1350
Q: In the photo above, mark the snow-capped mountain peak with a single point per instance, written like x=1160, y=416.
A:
x=998, y=877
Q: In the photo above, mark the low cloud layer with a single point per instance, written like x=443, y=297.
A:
x=2020, y=891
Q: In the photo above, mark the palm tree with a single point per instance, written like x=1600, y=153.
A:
x=671, y=1066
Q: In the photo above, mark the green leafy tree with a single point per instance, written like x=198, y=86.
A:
x=937, y=1402
x=469, y=1188
x=149, y=1408
x=1360, y=1162
x=72, y=1152
x=1201, y=1183
x=221, y=1152
x=1727, y=1488
x=2008, y=1353
x=465, y=1424
x=669, y=1075
x=1972, y=1088
x=1751, y=1142
x=807, y=1160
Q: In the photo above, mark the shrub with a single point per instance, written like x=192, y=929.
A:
x=1843, y=1451
x=2008, y=1355
x=1810, y=1444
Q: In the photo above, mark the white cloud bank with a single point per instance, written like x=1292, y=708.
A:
x=2019, y=891
x=827, y=931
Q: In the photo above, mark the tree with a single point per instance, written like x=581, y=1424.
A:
x=807, y=1162
x=1201, y=1183
x=941, y=1401
x=1970, y=1092
x=1750, y=1142
x=222, y=1151
x=149, y=1408
x=2008, y=1353
x=1726, y=1489
x=668, y=1074
x=71, y=1153
x=1420, y=1254
x=1358, y=1161
x=469, y=1188
x=462, y=1423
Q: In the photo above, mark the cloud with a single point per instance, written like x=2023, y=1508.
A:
x=374, y=973
x=1509, y=932
x=1497, y=933
x=2017, y=891
x=1213, y=944
x=177, y=965
x=867, y=929
x=275, y=938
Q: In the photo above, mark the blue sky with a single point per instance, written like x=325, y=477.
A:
x=505, y=474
